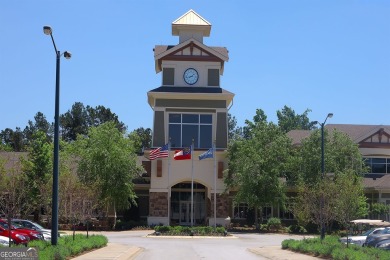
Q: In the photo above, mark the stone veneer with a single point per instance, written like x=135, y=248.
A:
x=158, y=204
x=222, y=206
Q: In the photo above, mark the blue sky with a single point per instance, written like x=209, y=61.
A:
x=327, y=56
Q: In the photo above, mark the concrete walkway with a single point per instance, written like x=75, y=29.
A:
x=123, y=252
x=110, y=252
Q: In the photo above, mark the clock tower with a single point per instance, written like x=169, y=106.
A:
x=190, y=108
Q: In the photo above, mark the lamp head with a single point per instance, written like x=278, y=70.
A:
x=67, y=55
x=330, y=115
x=47, y=30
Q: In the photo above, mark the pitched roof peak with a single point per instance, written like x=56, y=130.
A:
x=191, y=18
x=191, y=21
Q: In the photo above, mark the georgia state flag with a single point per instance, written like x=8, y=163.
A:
x=184, y=154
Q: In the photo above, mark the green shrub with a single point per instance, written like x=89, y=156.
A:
x=274, y=223
x=296, y=229
x=263, y=227
x=162, y=229
x=181, y=230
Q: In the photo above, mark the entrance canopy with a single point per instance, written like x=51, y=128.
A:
x=371, y=222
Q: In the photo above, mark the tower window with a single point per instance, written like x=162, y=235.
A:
x=183, y=128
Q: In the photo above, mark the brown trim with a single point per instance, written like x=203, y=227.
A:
x=220, y=170
x=374, y=145
x=191, y=45
x=159, y=168
x=191, y=58
x=222, y=130
x=380, y=134
x=159, y=130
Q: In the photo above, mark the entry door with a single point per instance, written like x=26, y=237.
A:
x=185, y=212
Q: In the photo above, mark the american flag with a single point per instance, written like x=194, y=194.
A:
x=160, y=152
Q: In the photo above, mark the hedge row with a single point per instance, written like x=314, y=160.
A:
x=67, y=247
x=189, y=231
x=331, y=248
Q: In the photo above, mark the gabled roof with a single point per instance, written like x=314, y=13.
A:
x=191, y=19
x=357, y=133
x=377, y=182
x=220, y=52
x=161, y=52
x=298, y=135
x=159, y=49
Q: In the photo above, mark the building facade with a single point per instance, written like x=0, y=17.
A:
x=374, y=145
x=190, y=110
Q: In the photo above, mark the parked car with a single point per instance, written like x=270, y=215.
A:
x=34, y=226
x=32, y=234
x=360, y=239
x=4, y=241
x=372, y=239
x=18, y=237
x=384, y=244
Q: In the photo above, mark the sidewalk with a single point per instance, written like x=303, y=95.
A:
x=110, y=252
x=122, y=252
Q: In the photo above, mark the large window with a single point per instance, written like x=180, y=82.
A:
x=183, y=128
x=378, y=165
x=240, y=211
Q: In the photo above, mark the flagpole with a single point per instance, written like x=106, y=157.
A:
x=192, y=184
x=169, y=183
x=215, y=186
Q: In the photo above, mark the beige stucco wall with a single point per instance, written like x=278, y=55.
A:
x=375, y=152
x=181, y=170
x=201, y=67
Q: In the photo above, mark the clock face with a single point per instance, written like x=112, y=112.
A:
x=191, y=76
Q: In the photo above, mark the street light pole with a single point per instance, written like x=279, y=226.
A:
x=54, y=222
x=323, y=173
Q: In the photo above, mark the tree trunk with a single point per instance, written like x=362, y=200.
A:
x=256, y=220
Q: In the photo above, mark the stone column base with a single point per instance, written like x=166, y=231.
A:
x=223, y=222
x=158, y=221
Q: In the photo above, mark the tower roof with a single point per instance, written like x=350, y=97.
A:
x=191, y=20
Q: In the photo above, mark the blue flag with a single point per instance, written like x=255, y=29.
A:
x=208, y=154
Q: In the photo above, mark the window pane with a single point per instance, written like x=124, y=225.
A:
x=378, y=160
x=175, y=135
x=379, y=168
x=174, y=118
x=205, y=136
x=188, y=118
x=206, y=119
x=190, y=132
